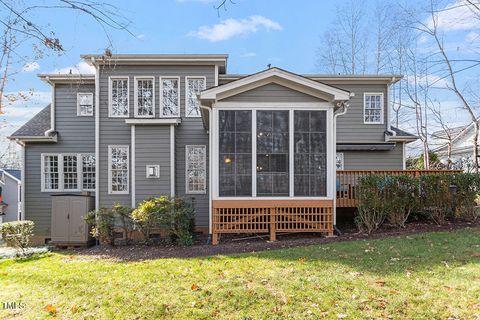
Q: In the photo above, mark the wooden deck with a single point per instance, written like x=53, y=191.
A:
x=347, y=181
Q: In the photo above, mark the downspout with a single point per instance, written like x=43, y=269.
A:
x=389, y=125
x=52, y=109
x=97, y=134
x=210, y=172
x=22, y=179
x=344, y=105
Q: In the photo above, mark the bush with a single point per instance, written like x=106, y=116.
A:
x=17, y=233
x=147, y=215
x=103, y=223
x=435, y=197
x=401, y=199
x=372, y=207
x=124, y=214
x=178, y=221
x=468, y=188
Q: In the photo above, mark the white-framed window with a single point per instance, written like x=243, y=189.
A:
x=88, y=172
x=50, y=172
x=373, y=108
x=84, y=104
x=196, y=168
x=144, y=97
x=68, y=172
x=339, y=161
x=118, y=92
x=169, y=96
x=118, y=169
x=193, y=87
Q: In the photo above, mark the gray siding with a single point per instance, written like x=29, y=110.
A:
x=10, y=197
x=272, y=93
x=350, y=127
x=152, y=147
x=374, y=160
x=190, y=131
x=75, y=135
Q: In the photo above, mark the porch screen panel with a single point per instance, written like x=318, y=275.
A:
x=235, y=153
x=310, y=161
x=272, y=153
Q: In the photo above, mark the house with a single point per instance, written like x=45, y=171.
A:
x=456, y=145
x=10, y=195
x=255, y=152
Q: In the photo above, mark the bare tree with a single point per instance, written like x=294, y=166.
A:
x=445, y=134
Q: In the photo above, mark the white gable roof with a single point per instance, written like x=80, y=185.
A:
x=280, y=77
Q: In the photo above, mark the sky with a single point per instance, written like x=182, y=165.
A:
x=254, y=33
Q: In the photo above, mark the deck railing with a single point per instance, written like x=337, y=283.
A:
x=347, y=181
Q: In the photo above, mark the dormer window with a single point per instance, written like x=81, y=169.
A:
x=118, y=97
x=373, y=108
x=85, y=104
x=144, y=97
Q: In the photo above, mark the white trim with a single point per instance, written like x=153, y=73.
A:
x=404, y=157
x=291, y=154
x=216, y=75
x=133, y=153
x=19, y=201
x=342, y=156
x=254, y=152
x=97, y=137
x=82, y=171
x=10, y=176
x=382, y=104
x=110, y=169
x=79, y=114
x=172, y=160
x=135, y=96
x=42, y=172
x=110, y=96
x=165, y=121
x=279, y=76
x=160, y=114
x=52, y=109
x=276, y=105
x=61, y=182
x=204, y=191
x=186, y=94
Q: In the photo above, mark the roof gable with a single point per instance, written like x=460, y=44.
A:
x=36, y=126
x=280, y=77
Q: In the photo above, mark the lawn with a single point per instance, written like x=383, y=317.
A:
x=426, y=276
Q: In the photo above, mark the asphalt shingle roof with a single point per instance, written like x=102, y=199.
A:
x=36, y=126
x=14, y=172
x=402, y=133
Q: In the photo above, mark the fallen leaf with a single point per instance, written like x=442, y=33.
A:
x=195, y=287
x=380, y=282
x=475, y=254
x=50, y=309
x=74, y=308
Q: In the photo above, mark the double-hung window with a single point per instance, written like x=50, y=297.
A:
x=193, y=87
x=68, y=172
x=85, y=104
x=170, y=96
x=373, y=108
x=145, y=97
x=339, y=161
x=196, y=168
x=118, y=169
x=118, y=97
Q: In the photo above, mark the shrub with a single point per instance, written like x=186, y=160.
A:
x=435, y=196
x=178, y=221
x=372, y=208
x=124, y=214
x=401, y=199
x=468, y=188
x=17, y=233
x=103, y=223
x=147, y=215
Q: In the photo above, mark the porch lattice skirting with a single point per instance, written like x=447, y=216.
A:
x=271, y=216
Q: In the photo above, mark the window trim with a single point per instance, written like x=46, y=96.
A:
x=342, y=156
x=110, y=115
x=186, y=93
x=110, y=191
x=204, y=191
x=82, y=172
x=160, y=84
x=61, y=184
x=79, y=114
x=382, y=107
x=135, y=96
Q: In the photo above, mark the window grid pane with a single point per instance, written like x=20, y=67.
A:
x=85, y=104
x=373, y=108
x=196, y=169
x=88, y=172
x=145, y=97
x=70, y=173
x=119, y=98
x=194, y=87
x=119, y=169
x=51, y=174
x=170, y=107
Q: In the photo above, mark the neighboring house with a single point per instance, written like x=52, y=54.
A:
x=460, y=142
x=10, y=195
x=149, y=125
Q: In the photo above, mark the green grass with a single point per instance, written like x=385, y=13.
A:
x=426, y=276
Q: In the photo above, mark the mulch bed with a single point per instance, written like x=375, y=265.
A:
x=234, y=244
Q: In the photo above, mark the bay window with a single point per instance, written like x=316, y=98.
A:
x=272, y=153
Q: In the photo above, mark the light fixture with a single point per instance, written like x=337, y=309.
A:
x=227, y=160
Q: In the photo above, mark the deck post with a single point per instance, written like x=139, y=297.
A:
x=214, y=238
x=273, y=236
